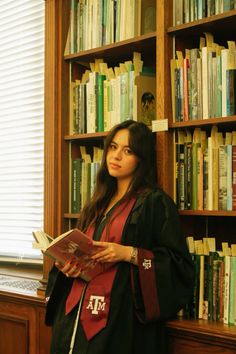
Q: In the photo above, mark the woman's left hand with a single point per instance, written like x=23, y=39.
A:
x=111, y=252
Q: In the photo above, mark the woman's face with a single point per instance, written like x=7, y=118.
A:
x=120, y=159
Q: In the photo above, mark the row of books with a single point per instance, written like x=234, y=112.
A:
x=205, y=170
x=214, y=294
x=95, y=23
x=107, y=96
x=192, y=10
x=204, y=81
x=83, y=177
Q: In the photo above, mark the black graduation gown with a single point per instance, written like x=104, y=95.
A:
x=152, y=225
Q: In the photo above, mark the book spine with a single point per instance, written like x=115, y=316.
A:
x=75, y=185
x=194, y=177
x=222, y=177
x=232, y=291
x=229, y=202
x=234, y=177
x=226, y=289
x=100, y=102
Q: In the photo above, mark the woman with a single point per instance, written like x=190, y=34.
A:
x=149, y=277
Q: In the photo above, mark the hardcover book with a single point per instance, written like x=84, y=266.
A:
x=74, y=245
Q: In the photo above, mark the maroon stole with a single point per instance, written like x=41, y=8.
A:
x=96, y=302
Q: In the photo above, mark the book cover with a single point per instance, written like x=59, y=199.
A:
x=194, y=94
x=194, y=177
x=234, y=177
x=218, y=87
x=148, y=18
x=201, y=287
x=205, y=83
x=226, y=288
x=195, y=305
x=75, y=185
x=100, y=102
x=180, y=176
x=215, y=289
x=178, y=19
x=232, y=291
x=230, y=92
x=229, y=203
x=205, y=179
x=145, y=99
x=222, y=177
x=209, y=289
x=224, y=67
x=221, y=290
x=74, y=245
x=186, y=69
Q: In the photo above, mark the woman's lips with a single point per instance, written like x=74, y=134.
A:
x=114, y=166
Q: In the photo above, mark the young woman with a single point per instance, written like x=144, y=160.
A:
x=136, y=228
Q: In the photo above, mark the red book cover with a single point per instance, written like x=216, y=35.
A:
x=74, y=245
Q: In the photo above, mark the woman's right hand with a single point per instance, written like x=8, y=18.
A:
x=70, y=268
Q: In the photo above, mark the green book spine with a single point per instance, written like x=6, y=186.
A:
x=232, y=291
x=195, y=305
x=100, y=102
x=75, y=185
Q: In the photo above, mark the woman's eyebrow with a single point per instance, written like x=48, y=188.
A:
x=124, y=146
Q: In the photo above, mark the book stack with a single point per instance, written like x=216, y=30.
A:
x=205, y=170
x=83, y=177
x=107, y=96
x=214, y=296
x=187, y=10
x=97, y=23
x=204, y=81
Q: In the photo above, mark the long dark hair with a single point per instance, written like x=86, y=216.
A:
x=142, y=143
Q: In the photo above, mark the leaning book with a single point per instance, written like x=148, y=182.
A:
x=74, y=245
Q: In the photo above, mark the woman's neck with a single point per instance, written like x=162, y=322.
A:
x=122, y=188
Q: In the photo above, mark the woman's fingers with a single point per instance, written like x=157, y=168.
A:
x=70, y=268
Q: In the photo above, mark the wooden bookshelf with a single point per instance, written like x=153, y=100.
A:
x=157, y=49
x=199, y=336
x=203, y=336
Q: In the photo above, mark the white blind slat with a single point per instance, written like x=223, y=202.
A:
x=21, y=126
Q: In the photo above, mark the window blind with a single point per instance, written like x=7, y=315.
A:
x=21, y=127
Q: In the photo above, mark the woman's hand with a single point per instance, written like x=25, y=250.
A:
x=70, y=268
x=112, y=252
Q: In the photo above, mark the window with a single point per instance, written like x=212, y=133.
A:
x=21, y=127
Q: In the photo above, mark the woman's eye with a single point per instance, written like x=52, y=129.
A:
x=128, y=151
x=112, y=147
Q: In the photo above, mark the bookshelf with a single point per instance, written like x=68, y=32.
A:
x=157, y=50
x=203, y=335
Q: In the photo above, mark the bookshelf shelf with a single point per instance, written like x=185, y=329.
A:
x=88, y=136
x=71, y=216
x=216, y=23
x=208, y=213
x=117, y=52
x=223, y=121
x=202, y=336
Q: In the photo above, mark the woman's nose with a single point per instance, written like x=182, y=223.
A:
x=118, y=154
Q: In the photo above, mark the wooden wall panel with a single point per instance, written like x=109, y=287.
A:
x=22, y=327
x=14, y=335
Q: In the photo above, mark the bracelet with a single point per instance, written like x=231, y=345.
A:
x=133, y=255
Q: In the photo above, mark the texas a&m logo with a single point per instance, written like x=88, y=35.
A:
x=147, y=263
x=96, y=304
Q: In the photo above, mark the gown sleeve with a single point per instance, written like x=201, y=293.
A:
x=163, y=281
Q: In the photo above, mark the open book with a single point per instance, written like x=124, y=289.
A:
x=74, y=245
